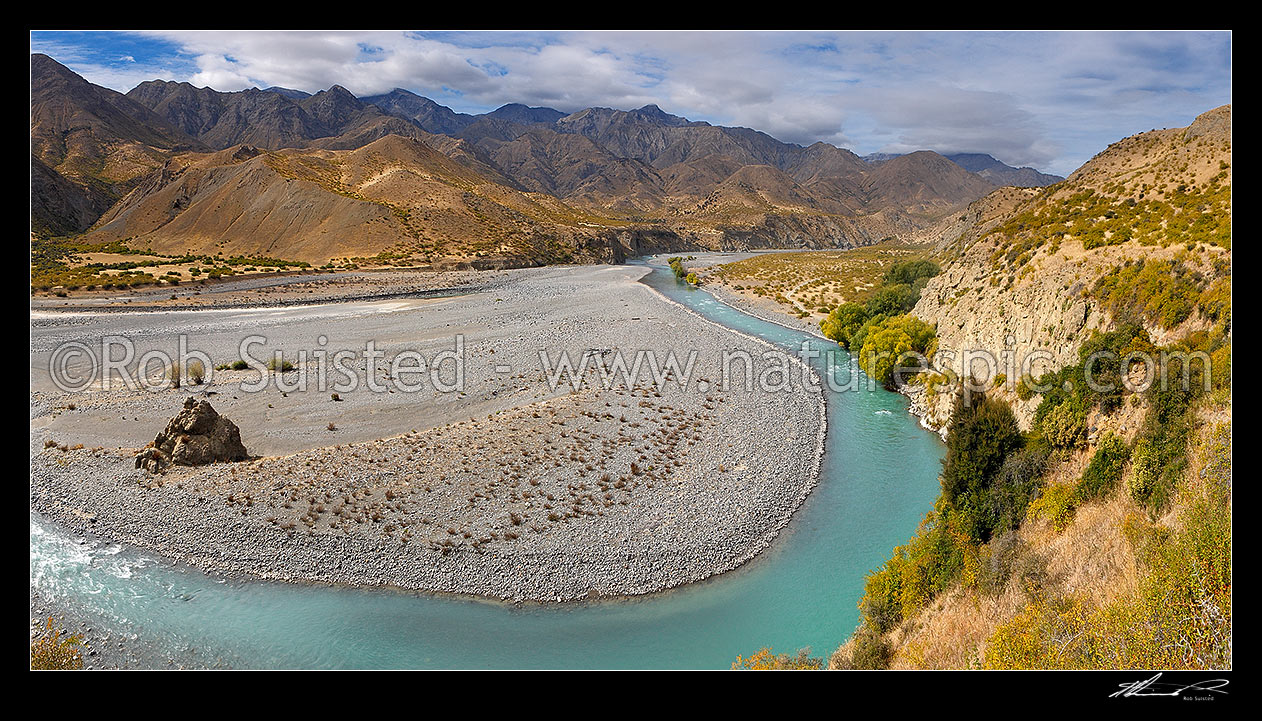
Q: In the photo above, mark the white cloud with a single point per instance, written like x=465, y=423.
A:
x=1044, y=99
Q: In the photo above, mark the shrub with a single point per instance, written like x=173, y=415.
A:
x=196, y=372
x=1065, y=425
x=1105, y=469
x=892, y=300
x=1024, y=392
x=52, y=652
x=914, y=273
x=1046, y=634
x=1018, y=482
x=881, y=604
x=1145, y=470
x=1158, y=291
x=891, y=342
x=870, y=651
x=1056, y=504
x=843, y=322
x=997, y=560
x=1179, y=617
x=768, y=660
x=983, y=432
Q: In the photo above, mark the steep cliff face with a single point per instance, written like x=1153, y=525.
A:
x=1021, y=267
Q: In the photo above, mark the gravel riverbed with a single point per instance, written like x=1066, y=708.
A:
x=510, y=489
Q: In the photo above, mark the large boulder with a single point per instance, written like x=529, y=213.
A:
x=196, y=436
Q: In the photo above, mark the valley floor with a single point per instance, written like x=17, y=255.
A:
x=508, y=489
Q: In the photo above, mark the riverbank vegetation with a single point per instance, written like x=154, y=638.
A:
x=880, y=331
x=71, y=265
x=768, y=660
x=813, y=283
x=681, y=271
x=1007, y=497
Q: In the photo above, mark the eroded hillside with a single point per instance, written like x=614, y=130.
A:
x=1141, y=232
x=1085, y=514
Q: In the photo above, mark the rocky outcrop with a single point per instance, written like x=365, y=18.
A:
x=1028, y=315
x=197, y=435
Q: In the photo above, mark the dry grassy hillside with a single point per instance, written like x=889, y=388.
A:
x=395, y=196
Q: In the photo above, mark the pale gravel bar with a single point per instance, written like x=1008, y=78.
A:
x=512, y=503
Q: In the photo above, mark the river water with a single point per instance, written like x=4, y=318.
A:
x=879, y=476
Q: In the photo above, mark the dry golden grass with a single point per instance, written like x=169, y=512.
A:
x=814, y=282
x=1090, y=557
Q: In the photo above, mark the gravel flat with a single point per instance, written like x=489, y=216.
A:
x=511, y=489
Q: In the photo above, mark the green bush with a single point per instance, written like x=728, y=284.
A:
x=997, y=561
x=1065, y=425
x=1057, y=504
x=914, y=273
x=1104, y=471
x=892, y=300
x=983, y=432
x=843, y=322
x=1018, y=482
x=887, y=344
x=1024, y=392
x=1163, y=292
x=870, y=652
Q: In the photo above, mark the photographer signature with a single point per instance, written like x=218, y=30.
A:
x=1151, y=687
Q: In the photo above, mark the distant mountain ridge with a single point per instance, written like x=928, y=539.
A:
x=679, y=182
x=986, y=166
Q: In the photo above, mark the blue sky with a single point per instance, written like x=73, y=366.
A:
x=1050, y=100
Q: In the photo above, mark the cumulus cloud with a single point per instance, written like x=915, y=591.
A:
x=1049, y=100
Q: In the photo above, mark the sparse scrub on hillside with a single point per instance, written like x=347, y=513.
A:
x=1162, y=292
x=1185, y=215
x=1178, y=618
x=994, y=479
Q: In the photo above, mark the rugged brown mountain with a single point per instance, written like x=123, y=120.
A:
x=394, y=194
x=659, y=139
x=269, y=119
x=97, y=141
x=987, y=166
x=922, y=182
x=619, y=181
x=525, y=115
x=427, y=114
x=575, y=168
x=61, y=207
x=1000, y=173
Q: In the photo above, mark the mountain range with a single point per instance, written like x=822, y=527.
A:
x=172, y=167
x=988, y=167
